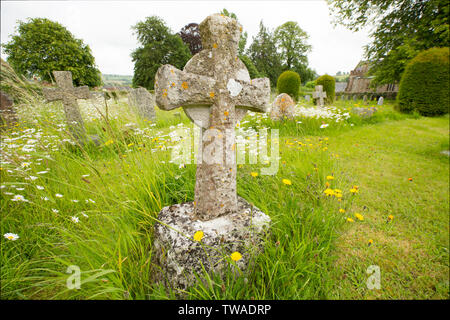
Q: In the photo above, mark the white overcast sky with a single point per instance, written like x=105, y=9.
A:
x=106, y=26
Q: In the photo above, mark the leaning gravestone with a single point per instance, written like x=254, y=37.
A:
x=282, y=107
x=8, y=115
x=143, y=101
x=319, y=95
x=69, y=95
x=215, y=91
x=380, y=101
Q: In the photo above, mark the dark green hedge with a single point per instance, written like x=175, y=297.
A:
x=424, y=86
x=289, y=82
x=329, y=84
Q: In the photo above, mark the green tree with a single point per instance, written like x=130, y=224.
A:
x=291, y=41
x=403, y=28
x=159, y=46
x=42, y=46
x=264, y=55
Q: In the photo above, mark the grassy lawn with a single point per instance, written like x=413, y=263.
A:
x=95, y=207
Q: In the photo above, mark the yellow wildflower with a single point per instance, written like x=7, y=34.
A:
x=359, y=216
x=330, y=178
x=254, y=174
x=350, y=220
x=329, y=192
x=287, y=181
x=236, y=256
x=198, y=236
x=342, y=210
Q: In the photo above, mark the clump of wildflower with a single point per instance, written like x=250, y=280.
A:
x=236, y=256
x=198, y=236
x=11, y=236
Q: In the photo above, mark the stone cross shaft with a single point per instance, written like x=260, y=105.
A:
x=215, y=92
x=69, y=95
x=319, y=94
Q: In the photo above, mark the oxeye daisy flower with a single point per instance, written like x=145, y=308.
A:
x=58, y=195
x=19, y=197
x=11, y=236
x=75, y=219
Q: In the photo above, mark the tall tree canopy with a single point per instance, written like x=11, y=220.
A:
x=158, y=47
x=403, y=28
x=42, y=46
x=292, y=44
x=264, y=55
x=190, y=34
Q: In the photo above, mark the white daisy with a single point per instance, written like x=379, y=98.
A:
x=18, y=197
x=11, y=236
x=55, y=210
x=58, y=195
x=40, y=187
x=75, y=219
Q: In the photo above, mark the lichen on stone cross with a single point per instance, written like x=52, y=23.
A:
x=69, y=95
x=319, y=94
x=215, y=92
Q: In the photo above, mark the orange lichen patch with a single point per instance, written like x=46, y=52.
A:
x=164, y=93
x=184, y=85
x=172, y=84
x=171, y=71
x=211, y=94
x=226, y=113
x=215, y=45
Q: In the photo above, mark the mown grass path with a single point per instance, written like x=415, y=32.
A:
x=411, y=249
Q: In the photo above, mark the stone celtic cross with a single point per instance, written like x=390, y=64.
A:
x=215, y=92
x=69, y=95
x=319, y=94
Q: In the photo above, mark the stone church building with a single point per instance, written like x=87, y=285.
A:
x=359, y=82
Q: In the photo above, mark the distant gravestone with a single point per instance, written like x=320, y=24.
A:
x=69, y=95
x=307, y=97
x=364, y=112
x=282, y=107
x=342, y=97
x=319, y=95
x=144, y=102
x=355, y=97
x=380, y=101
x=8, y=115
x=215, y=91
x=365, y=99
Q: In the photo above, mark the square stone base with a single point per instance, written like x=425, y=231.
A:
x=177, y=256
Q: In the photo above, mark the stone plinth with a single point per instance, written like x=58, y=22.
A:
x=179, y=256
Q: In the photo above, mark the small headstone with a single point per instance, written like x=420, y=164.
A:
x=364, y=112
x=380, y=101
x=8, y=115
x=319, y=95
x=365, y=99
x=307, y=97
x=282, y=107
x=355, y=97
x=143, y=101
x=342, y=97
x=215, y=91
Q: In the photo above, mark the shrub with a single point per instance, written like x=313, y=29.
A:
x=254, y=73
x=424, y=86
x=289, y=82
x=328, y=83
x=310, y=84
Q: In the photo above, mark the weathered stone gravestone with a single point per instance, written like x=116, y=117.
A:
x=355, y=97
x=307, y=97
x=380, y=101
x=144, y=102
x=364, y=112
x=365, y=99
x=69, y=95
x=8, y=117
x=342, y=97
x=282, y=107
x=319, y=95
x=215, y=91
